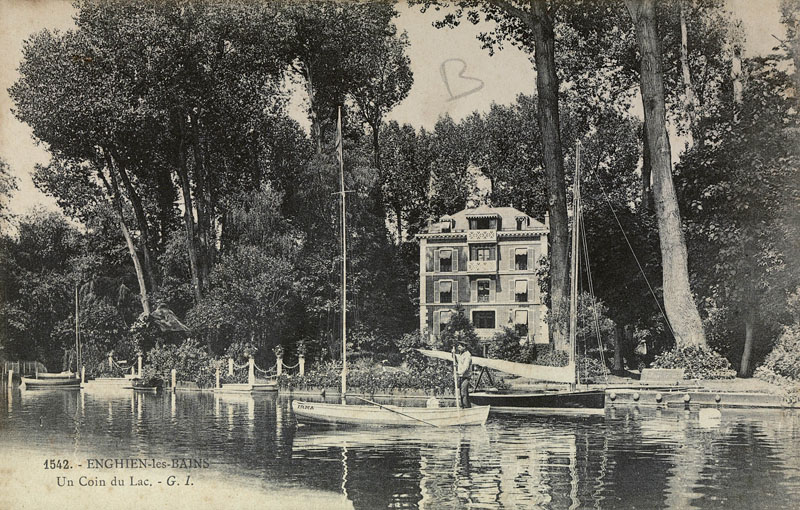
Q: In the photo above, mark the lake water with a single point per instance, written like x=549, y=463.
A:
x=243, y=452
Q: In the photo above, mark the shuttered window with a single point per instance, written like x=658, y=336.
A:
x=445, y=261
x=445, y=291
x=521, y=259
x=521, y=291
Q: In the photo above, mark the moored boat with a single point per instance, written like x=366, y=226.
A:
x=63, y=381
x=385, y=415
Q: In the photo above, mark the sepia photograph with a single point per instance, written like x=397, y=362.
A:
x=423, y=254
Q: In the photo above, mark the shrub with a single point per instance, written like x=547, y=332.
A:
x=549, y=356
x=784, y=359
x=190, y=360
x=698, y=362
x=368, y=377
x=591, y=370
x=505, y=345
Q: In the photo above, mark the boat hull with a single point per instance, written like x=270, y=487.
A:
x=590, y=401
x=31, y=383
x=387, y=416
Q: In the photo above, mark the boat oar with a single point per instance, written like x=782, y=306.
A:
x=396, y=411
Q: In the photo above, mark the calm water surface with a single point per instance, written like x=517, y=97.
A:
x=259, y=458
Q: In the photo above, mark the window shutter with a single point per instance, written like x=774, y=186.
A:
x=436, y=261
x=436, y=323
x=454, y=255
x=533, y=290
x=531, y=259
x=436, y=292
x=492, y=291
x=455, y=291
x=473, y=288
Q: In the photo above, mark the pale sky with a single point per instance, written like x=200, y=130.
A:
x=475, y=79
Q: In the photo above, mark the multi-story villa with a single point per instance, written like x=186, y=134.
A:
x=485, y=260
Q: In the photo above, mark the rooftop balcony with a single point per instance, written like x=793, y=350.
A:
x=482, y=236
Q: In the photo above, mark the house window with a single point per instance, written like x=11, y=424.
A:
x=445, y=291
x=521, y=322
x=444, y=317
x=521, y=223
x=521, y=291
x=483, y=224
x=483, y=252
x=521, y=259
x=445, y=261
x=483, y=319
x=483, y=291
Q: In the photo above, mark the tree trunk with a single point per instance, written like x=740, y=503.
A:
x=141, y=218
x=316, y=130
x=188, y=220
x=647, y=188
x=541, y=24
x=678, y=302
x=689, y=96
x=744, y=368
x=619, y=367
x=201, y=201
x=736, y=77
x=113, y=191
x=398, y=212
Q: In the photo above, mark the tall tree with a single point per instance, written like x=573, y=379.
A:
x=531, y=25
x=678, y=300
x=8, y=184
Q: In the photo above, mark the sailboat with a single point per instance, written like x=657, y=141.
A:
x=375, y=414
x=559, y=401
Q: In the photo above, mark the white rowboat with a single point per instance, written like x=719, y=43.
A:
x=388, y=416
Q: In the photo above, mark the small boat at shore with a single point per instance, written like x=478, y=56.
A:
x=388, y=416
x=62, y=380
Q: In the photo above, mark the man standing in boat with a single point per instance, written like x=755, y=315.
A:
x=463, y=370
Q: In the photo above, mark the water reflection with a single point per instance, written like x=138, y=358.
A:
x=630, y=458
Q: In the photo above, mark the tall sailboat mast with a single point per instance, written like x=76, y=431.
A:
x=576, y=226
x=340, y=155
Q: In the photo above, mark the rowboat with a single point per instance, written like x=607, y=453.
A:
x=387, y=416
x=63, y=380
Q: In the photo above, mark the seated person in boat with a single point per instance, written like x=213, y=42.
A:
x=463, y=369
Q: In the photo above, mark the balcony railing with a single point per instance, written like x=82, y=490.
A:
x=482, y=266
x=482, y=236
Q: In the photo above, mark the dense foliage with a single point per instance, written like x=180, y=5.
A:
x=176, y=164
x=698, y=362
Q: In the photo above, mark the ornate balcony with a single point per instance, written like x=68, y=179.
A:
x=482, y=236
x=481, y=266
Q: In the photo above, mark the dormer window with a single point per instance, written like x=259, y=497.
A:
x=483, y=223
x=522, y=222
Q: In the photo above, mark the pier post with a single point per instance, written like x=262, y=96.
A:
x=230, y=366
x=174, y=379
x=11, y=378
x=302, y=361
x=279, y=366
x=83, y=375
x=110, y=361
x=217, y=377
x=139, y=366
x=251, y=372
